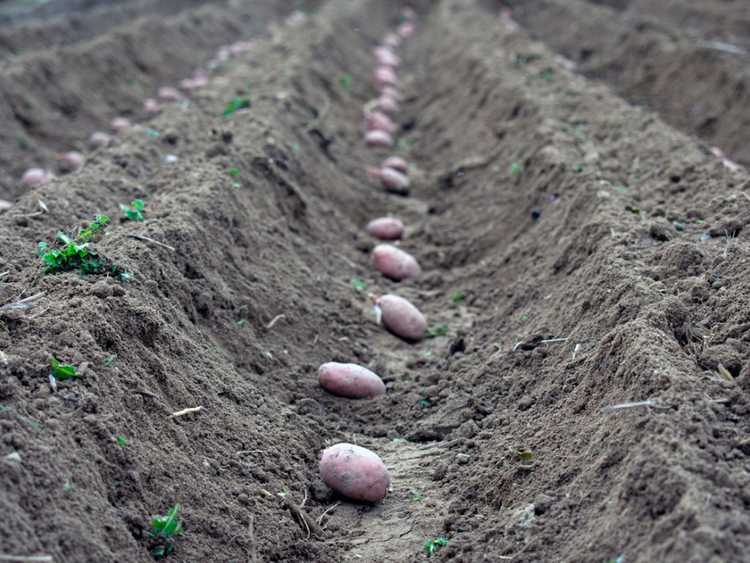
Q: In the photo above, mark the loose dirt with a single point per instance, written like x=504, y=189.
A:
x=583, y=254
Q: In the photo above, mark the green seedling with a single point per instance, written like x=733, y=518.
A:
x=548, y=74
x=457, y=296
x=109, y=360
x=164, y=530
x=134, y=211
x=433, y=545
x=424, y=403
x=520, y=59
x=416, y=496
x=76, y=253
x=524, y=317
x=153, y=133
x=236, y=104
x=578, y=168
x=67, y=486
x=121, y=441
x=234, y=172
x=516, y=168
x=437, y=330
x=61, y=371
x=359, y=284
x=345, y=81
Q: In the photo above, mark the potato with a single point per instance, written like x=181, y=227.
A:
x=169, y=94
x=354, y=472
x=401, y=318
x=392, y=40
x=406, y=30
x=35, y=177
x=69, y=161
x=385, y=57
x=150, y=105
x=378, y=121
x=378, y=138
x=100, y=139
x=392, y=92
x=392, y=180
x=397, y=163
x=350, y=380
x=121, y=124
x=386, y=104
x=385, y=228
x=394, y=263
x=385, y=76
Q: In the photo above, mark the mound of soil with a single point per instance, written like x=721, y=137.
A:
x=588, y=403
x=686, y=59
x=53, y=95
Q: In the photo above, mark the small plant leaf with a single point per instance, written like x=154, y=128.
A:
x=234, y=172
x=121, y=441
x=458, y=296
x=437, y=330
x=516, y=168
x=432, y=545
x=236, y=104
x=359, y=284
x=345, y=81
x=62, y=371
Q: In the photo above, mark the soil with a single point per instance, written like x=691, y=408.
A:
x=589, y=403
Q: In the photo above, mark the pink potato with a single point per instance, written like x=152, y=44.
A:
x=397, y=163
x=385, y=57
x=386, y=104
x=392, y=180
x=385, y=76
x=394, y=263
x=35, y=177
x=391, y=92
x=169, y=94
x=354, y=472
x=120, y=124
x=401, y=318
x=392, y=40
x=350, y=380
x=378, y=121
x=378, y=138
x=385, y=228
x=100, y=139
x=69, y=161
x=150, y=105
x=406, y=29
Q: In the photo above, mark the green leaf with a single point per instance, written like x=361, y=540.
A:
x=345, y=81
x=167, y=526
x=433, y=545
x=62, y=371
x=236, y=104
x=437, y=330
x=516, y=168
x=138, y=204
x=109, y=360
x=234, y=172
x=121, y=441
x=359, y=284
x=457, y=296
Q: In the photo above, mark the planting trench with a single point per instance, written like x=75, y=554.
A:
x=601, y=255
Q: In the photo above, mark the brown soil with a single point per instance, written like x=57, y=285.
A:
x=687, y=59
x=53, y=95
x=602, y=256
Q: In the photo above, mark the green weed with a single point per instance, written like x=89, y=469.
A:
x=359, y=284
x=164, y=530
x=345, y=81
x=121, y=441
x=437, y=330
x=433, y=545
x=134, y=211
x=61, y=371
x=516, y=168
x=457, y=296
x=236, y=104
x=77, y=254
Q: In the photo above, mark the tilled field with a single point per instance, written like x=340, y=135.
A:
x=584, y=396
